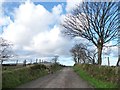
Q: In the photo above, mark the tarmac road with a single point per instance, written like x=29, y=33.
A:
x=65, y=78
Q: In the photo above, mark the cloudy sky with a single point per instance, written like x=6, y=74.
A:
x=34, y=28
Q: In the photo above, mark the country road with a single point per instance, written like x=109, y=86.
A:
x=65, y=78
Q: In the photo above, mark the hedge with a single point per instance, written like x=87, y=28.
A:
x=103, y=73
x=11, y=79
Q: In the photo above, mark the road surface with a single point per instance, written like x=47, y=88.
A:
x=65, y=78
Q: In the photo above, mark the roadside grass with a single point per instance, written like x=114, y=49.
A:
x=93, y=81
x=12, y=78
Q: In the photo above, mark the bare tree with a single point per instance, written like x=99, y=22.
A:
x=55, y=59
x=5, y=50
x=91, y=55
x=94, y=21
x=74, y=54
x=79, y=53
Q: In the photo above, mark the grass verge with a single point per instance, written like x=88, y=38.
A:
x=93, y=81
x=16, y=77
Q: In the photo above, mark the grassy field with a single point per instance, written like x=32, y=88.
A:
x=93, y=81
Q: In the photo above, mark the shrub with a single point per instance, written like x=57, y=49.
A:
x=103, y=73
x=99, y=76
x=19, y=76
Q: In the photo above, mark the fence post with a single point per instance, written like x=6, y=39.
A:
x=36, y=61
x=16, y=62
x=31, y=61
x=24, y=62
x=108, y=62
x=40, y=61
x=116, y=70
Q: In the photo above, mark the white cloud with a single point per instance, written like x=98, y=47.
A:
x=4, y=20
x=110, y=49
x=57, y=10
x=71, y=4
x=35, y=30
x=51, y=41
x=29, y=21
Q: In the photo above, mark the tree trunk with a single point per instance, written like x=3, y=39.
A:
x=99, y=55
x=118, y=61
x=108, y=62
x=75, y=60
x=84, y=61
x=1, y=62
x=93, y=61
x=78, y=60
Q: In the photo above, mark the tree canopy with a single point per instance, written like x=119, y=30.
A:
x=94, y=21
x=5, y=50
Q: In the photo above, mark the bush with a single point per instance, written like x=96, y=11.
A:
x=55, y=67
x=103, y=73
x=38, y=66
x=19, y=76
